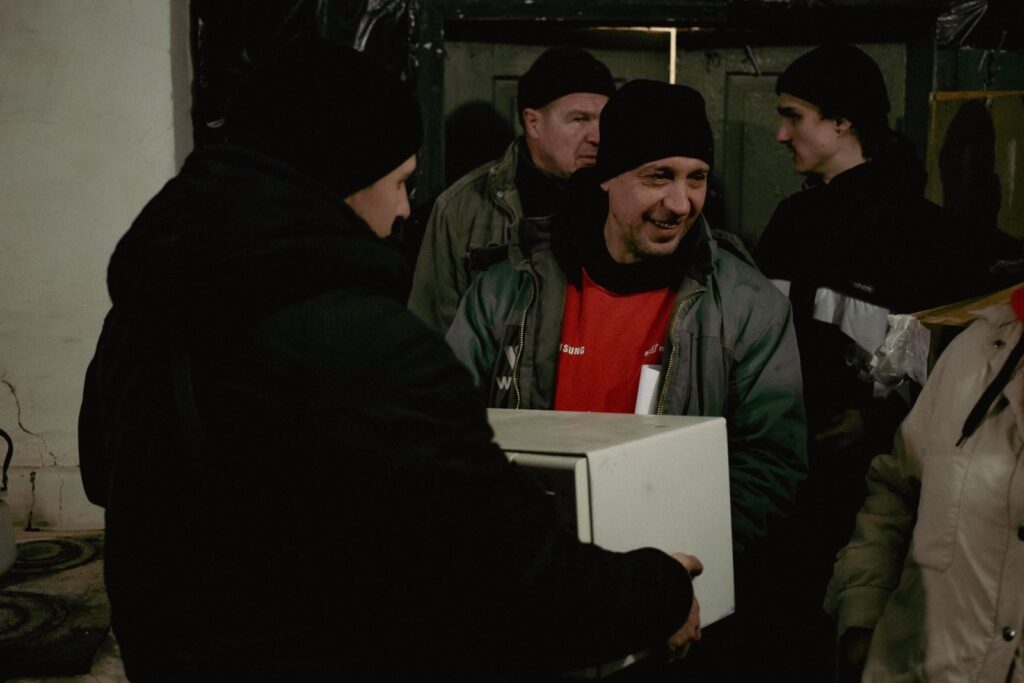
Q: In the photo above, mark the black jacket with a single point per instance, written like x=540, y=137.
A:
x=298, y=476
x=869, y=234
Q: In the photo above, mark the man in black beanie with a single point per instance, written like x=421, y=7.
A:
x=859, y=243
x=298, y=476
x=560, y=99
x=632, y=276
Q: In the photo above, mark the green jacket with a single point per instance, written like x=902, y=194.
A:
x=469, y=226
x=730, y=351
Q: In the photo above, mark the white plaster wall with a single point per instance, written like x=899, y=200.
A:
x=89, y=131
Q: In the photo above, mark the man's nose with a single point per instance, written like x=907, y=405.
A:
x=677, y=199
x=403, y=211
x=593, y=134
x=782, y=134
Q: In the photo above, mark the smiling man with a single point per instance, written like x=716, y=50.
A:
x=632, y=276
x=560, y=99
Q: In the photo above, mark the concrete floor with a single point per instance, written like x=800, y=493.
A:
x=106, y=666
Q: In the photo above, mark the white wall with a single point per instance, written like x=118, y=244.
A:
x=89, y=130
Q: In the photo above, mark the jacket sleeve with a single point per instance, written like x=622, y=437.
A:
x=868, y=569
x=441, y=274
x=767, y=425
x=483, y=537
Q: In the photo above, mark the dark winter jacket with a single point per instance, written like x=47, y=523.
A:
x=871, y=238
x=729, y=351
x=298, y=476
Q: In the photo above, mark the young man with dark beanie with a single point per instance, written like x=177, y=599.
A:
x=860, y=242
x=631, y=276
x=298, y=476
x=560, y=99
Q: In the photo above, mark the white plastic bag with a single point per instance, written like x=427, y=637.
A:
x=903, y=354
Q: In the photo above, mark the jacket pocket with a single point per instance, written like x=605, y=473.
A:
x=938, y=512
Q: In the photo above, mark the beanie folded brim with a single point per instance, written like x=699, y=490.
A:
x=329, y=111
x=649, y=120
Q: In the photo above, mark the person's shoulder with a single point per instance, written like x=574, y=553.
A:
x=795, y=216
x=348, y=338
x=470, y=187
x=733, y=266
x=739, y=280
x=807, y=199
x=478, y=184
x=968, y=353
x=995, y=317
x=326, y=321
x=925, y=209
x=731, y=243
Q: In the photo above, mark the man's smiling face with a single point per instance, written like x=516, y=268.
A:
x=653, y=206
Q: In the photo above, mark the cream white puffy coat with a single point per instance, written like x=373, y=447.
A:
x=936, y=562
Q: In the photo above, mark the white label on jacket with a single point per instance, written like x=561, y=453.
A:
x=782, y=286
x=864, y=323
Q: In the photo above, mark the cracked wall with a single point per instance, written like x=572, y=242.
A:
x=89, y=130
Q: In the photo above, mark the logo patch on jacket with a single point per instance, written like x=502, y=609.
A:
x=503, y=374
x=505, y=381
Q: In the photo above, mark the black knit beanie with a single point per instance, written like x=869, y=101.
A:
x=561, y=71
x=841, y=80
x=649, y=120
x=329, y=111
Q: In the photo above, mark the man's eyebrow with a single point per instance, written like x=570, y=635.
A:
x=788, y=111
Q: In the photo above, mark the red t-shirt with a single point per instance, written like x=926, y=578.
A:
x=606, y=339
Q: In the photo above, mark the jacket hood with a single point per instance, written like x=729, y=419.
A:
x=238, y=235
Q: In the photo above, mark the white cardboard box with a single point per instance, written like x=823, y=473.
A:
x=633, y=481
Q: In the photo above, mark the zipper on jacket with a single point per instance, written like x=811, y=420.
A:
x=519, y=349
x=670, y=366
